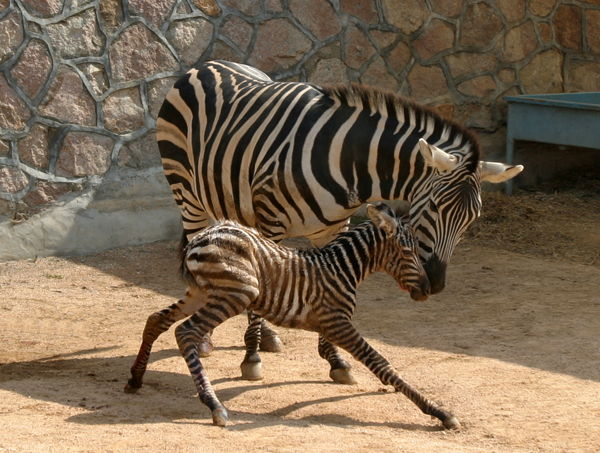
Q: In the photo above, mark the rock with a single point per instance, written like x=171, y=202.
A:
x=4, y=148
x=438, y=36
x=377, y=75
x=33, y=148
x=507, y=75
x=513, y=10
x=43, y=8
x=239, y=31
x=407, y=15
x=585, y=75
x=448, y=8
x=427, y=81
x=567, y=26
x=138, y=53
x=156, y=11
x=248, y=7
x=363, y=9
x=543, y=74
x=592, y=19
x=190, y=38
x=11, y=35
x=519, y=42
x=33, y=68
x=320, y=18
x=140, y=154
x=479, y=27
x=43, y=194
x=279, y=45
x=68, y=101
x=12, y=180
x=209, y=7
x=541, y=7
x=466, y=63
x=78, y=36
x=399, y=57
x=358, y=48
x=480, y=87
x=84, y=154
x=329, y=72
x=111, y=14
x=123, y=111
x=13, y=112
x=157, y=92
x=96, y=76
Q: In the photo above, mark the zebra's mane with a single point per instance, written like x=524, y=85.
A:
x=390, y=104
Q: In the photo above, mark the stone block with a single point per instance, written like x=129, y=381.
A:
x=77, y=36
x=238, y=30
x=383, y=38
x=123, y=111
x=4, y=148
x=156, y=11
x=567, y=26
x=507, y=75
x=11, y=35
x=541, y=7
x=33, y=149
x=223, y=51
x=439, y=36
x=157, y=92
x=138, y=53
x=543, y=74
x=399, y=57
x=463, y=64
x=33, y=68
x=111, y=14
x=584, y=75
x=480, y=87
x=13, y=112
x=140, y=154
x=68, y=101
x=320, y=18
x=44, y=194
x=43, y=8
x=519, y=42
x=545, y=32
x=358, y=48
x=248, y=7
x=479, y=26
x=190, y=38
x=363, y=9
x=279, y=45
x=427, y=81
x=448, y=8
x=377, y=75
x=445, y=110
x=84, y=154
x=329, y=72
x=592, y=25
x=12, y=180
x=96, y=76
x=209, y=7
x=408, y=15
x=513, y=10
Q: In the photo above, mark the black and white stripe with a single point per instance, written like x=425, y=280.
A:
x=295, y=159
x=231, y=268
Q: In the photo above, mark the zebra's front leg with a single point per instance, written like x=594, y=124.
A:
x=156, y=324
x=251, y=366
x=269, y=339
x=340, y=369
x=345, y=335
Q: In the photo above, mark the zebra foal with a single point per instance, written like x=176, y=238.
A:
x=230, y=268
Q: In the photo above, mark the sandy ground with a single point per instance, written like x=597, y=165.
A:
x=510, y=347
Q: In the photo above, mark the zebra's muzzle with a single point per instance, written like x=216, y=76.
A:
x=436, y=271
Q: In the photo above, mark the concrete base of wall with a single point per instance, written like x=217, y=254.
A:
x=124, y=209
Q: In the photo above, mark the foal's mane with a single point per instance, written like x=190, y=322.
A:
x=390, y=104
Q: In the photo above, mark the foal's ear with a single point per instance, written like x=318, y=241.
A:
x=381, y=219
x=497, y=172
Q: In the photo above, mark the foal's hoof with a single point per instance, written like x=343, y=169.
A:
x=451, y=423
x=271, y=343
x=342, y=376
x=251, y=371
x=219, y=417
x=205, y=347
x=131, y=387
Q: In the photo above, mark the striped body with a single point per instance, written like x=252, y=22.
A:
x=295, y=159
x=230, y=268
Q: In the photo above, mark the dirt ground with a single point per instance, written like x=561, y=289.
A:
x=511, y=347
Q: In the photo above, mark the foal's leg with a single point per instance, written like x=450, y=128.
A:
x=343, y=334
x=156, y=324
x=251, y=365
x=340, y=369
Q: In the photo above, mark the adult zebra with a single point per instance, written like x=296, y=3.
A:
x=296, y=159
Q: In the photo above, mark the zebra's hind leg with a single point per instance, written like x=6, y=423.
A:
x=252, y=366
x=269, y=339
x=156, y=324
x=345, y=335
x=340, y=369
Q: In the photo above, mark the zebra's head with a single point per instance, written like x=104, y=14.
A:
x=449, y=201
x=401, y=255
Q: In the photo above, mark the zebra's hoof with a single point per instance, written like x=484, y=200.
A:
x=251, y=371
x=271, y=343
x=131, y=388
x=451, y=423
x=219, y=417
x=205, y=346
x=342, y=376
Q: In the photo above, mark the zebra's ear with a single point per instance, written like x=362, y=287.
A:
x=437, y=158
x=497, y=172
x=381, y=219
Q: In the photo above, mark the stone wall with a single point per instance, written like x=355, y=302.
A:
x=81, y=82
